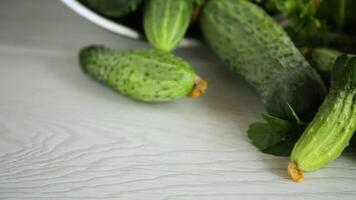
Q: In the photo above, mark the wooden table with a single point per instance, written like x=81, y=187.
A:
x=64, y=136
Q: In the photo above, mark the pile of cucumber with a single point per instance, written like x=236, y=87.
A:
x=309, y=94
x=150, y=75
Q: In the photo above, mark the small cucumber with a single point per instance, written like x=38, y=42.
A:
x=323, y=59
x=147, y=75
x=330, y=131
x=256, y=47
x=113, y=8
x=166, y=22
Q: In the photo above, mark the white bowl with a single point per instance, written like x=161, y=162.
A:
x=113, y=26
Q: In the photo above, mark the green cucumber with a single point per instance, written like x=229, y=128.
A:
x=323, y=59
x=325, y=39
x=166, y=22
x=256, y=47
x=147, y=75
x=113, y=8
x=329, y=133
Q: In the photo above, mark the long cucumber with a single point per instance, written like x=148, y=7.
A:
x=256, y=47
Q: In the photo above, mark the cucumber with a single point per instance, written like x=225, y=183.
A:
x=246, y=38
x=166, y=22
x=113, y=8
x=323, y=59
x=325, y=39
x=329, y=133
x=146, y=75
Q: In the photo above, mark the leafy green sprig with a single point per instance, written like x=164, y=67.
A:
x=277, y=136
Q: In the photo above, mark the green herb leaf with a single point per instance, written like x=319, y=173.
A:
x=262, y=135
x=277, y=136
x=277, y=124
x=283, y=148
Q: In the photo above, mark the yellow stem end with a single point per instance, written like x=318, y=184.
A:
x=293, y=172
x=199, y=89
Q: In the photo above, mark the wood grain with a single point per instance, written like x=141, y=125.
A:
x=63, y=136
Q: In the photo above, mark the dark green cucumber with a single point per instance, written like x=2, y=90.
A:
x=256, y=47
x=324, y=39
x=113, y=8
x=166, y=22
x=330, y=131
x=146, y=75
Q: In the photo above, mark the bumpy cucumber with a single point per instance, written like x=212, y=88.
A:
x=146, y=75
x=113, y=8
x=323, y=59
x=166, y=22
x=256, y=47
x=333, y=126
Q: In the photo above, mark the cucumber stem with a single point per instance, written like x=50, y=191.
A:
x=293, y=172
x=199, y=89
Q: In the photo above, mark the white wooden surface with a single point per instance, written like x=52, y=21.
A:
x=63, y=136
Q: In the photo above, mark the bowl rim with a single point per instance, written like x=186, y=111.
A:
x=99, y=20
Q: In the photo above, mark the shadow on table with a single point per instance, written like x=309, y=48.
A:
x=232, y=97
